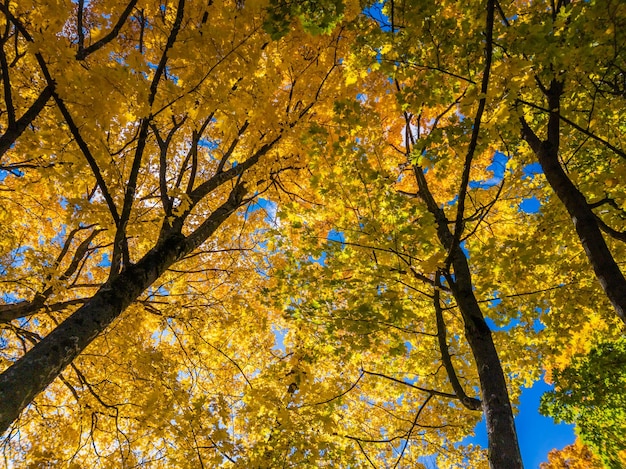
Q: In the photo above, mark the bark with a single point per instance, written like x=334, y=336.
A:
x=504, y=450
x=32, y=373
x=13, y=133
x=586, y=224
x=469, y=402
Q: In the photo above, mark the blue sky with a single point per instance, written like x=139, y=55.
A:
x=537, y=434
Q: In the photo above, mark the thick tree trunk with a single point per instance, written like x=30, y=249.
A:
x=606, y=269
x=32, y=373
x=504, y=450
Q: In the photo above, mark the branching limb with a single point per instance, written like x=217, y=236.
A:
x=83, y=52
x=163, y=150
x=121, y=254
x=23, y=309
x=613, y=233
x=468, y=402
x=13, y=133
x=586, y=132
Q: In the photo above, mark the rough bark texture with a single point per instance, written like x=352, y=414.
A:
x=606, y=269
x=32, y=373
x=504, y=450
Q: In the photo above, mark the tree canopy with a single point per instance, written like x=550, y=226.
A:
x=251, y=233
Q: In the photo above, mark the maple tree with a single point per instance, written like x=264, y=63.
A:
x=574, y=456
x=589, y=393
x=437, y=113
x=145, y=127
x=260, y=234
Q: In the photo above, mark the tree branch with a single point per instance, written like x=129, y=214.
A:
x=468, y=402
x=467, y=165
x=84, y=52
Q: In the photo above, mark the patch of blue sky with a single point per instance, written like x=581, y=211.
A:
x=513, y=322
x=429, y=461
x=321, y=260
x=537, y=434
x=375, y=11
x=497, y=167
x=530, y=205
x=10, y=298
x=530, y=170
x=17, y=255
x=268, y=206
x=13, y=172
x=333, y=236
x=464, y=249
x=105, y=261
x=495, y=301
x=58, y=238
x=337, y=237
x=279, y=339
x=538, y=326
x=209, y=144
x=168, y=73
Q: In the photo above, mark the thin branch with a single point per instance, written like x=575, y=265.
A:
x=358, y=442
x=93, y=164
x=468, y=402
x=458, y=224
x=334, y=397
x=584, y=131
x=191, y=154
x=230, y=360
x=84, y=52
x=414, y=424
x=79, y=25
x=232, y=147
x=399, y=381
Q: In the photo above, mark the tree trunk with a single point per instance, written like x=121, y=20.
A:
x=606, y=269
x=32, y=373
x=504, y=450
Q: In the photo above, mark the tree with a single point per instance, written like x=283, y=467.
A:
x=599, y=79
x=588, y=392
x=257, y=247
x=572, y=456
x=387, y=219
x=146, y=127
x=457, y=114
